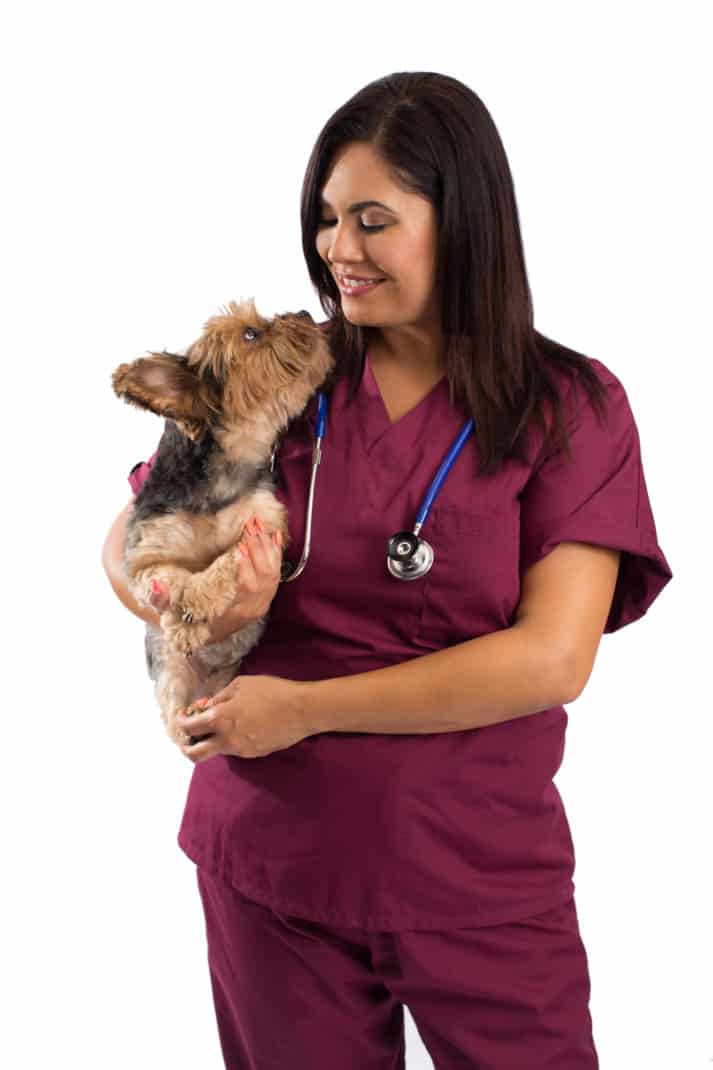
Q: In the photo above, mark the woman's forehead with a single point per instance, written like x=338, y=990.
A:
x=359, y=175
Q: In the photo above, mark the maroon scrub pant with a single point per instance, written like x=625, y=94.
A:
x=292, y=994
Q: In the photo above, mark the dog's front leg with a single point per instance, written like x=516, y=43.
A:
x=213, y=591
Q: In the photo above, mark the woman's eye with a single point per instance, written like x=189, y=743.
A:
x=364, y=226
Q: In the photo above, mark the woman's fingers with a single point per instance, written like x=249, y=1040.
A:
x=263, y=552
x=160, y=595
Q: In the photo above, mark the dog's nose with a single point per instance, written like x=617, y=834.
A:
x=304, y=312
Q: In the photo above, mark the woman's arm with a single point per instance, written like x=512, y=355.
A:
x=113, y=562
x=542, y=660
x=496, y=677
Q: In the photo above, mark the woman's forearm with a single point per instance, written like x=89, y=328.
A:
x=496, y=677
x=113, y=562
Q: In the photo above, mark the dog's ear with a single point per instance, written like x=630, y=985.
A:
x=166, y=384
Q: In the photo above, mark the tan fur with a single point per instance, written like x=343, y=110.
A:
x=161, y=384
x=246, y=392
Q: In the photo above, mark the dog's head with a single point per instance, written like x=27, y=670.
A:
x=245, y=374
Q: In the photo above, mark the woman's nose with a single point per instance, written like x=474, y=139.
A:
x=344, y=247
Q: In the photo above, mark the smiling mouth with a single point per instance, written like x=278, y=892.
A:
x=347, y=284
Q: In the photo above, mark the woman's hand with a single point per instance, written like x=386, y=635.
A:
x=258, y=580
x=250, y=718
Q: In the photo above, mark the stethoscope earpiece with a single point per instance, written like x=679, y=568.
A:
x=407, y=556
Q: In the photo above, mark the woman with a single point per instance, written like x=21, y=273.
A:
x=400, y=840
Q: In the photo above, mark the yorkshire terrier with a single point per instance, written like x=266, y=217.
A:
x=225, y=404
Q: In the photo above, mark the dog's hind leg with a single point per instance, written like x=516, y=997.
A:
x=177, y=684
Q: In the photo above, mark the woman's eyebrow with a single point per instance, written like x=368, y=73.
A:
x=359, y=206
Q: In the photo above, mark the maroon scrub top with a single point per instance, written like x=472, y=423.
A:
x=418, y=831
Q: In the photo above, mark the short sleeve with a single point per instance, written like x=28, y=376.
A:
x=140, y=472
x=599, y=497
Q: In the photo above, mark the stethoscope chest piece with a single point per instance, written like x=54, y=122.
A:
x=408, y=556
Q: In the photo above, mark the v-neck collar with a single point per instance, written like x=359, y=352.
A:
x=377, y=425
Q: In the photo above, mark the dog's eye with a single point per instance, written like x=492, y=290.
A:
x=251, y=333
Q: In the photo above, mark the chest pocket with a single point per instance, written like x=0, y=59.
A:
x=474, y=576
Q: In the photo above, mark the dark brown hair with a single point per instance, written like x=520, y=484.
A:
x=441, y=142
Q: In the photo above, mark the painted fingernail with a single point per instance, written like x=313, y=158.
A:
x=243, y=549
x=259, y=524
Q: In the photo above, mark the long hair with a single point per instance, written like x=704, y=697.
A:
x=441, y=142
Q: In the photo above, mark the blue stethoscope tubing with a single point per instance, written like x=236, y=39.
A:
x=408, y=557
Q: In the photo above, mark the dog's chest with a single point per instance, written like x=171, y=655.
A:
x=213, y=533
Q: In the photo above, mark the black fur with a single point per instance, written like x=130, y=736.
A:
x=184, y=471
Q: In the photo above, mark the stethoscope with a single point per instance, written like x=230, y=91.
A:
x=408, y=557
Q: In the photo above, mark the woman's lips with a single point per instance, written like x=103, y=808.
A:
x=358, y=289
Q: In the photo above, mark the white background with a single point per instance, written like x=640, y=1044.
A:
x=153, y=158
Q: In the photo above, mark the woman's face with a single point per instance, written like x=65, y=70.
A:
x=396, y=242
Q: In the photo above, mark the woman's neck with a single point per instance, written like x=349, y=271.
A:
x=414, y=356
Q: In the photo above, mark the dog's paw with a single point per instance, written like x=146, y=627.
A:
x=198, y=707
x=179, y=735
x=193, y=607
x=210, y=593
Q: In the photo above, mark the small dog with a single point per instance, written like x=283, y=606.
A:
x=225, y=403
